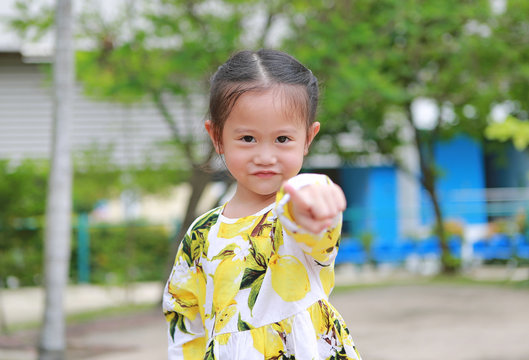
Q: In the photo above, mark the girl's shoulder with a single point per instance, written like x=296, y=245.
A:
x=206, y=220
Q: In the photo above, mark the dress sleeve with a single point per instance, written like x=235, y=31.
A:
x=183, y=300
x=322, y=247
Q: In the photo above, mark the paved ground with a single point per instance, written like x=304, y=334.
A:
x=438, y=322
x=411, y=322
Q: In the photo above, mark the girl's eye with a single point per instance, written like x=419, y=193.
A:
x=282, y=139
x=247, y=138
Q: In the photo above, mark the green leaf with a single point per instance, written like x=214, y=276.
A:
x=210, y=355
x=206, y=221
x=177, y=321
x=186, y=250
x=277, y=239
x=242, y=325
x=226, y=252
x=254, y=292
x=250, y=276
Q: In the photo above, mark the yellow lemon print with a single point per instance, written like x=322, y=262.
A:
x=319, y=321
x=201, y=293
x=228, y=231
x=306, y=238
x=194, y=349
x=185, y=296
x=263, y=246
x=289, y=277
x=284, y=326
x=223, y=338
x=258, y=339
x=268, y=342
x=227, y=281
x=327, y=278
x=225, y=316
x=326, y=245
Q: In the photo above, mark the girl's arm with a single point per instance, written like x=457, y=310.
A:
x=310, y=208
x=182, y=305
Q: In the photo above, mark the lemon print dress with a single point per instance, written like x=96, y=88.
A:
x=256, y=288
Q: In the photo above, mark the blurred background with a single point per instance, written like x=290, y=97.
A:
x=424, y=112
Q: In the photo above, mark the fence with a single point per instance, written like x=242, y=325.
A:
x=100, y=253
x=139, y=251
x=482, y=224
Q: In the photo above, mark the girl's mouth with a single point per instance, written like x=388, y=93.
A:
x=264, y=174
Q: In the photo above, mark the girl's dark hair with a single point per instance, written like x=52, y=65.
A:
x=256, y=71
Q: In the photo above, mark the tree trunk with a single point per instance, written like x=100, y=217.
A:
x=58, y=204
x=199, y=179
x=428, y=182
x=448, y=267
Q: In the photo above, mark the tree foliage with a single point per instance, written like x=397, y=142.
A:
x=21, y=213
x=376, y=58
x=119, y=252
x=511, y=129
x=164, y=51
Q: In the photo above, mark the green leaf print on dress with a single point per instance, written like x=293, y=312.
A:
x=177, y=321
x=193, y=243
x=220, y=302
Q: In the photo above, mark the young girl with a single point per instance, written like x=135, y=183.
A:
x=252, y=277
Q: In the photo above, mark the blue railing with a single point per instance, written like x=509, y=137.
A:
x=498, y=247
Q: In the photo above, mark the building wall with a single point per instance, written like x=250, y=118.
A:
x=382, y=204
x=392, y=206
x=461, y=184
x=371, y=194
x=134, y=132
x=507, y=172
x=506, y=166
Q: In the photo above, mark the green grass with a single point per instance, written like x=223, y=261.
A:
x=116, y=311
x=87, y=316
x=454, y=280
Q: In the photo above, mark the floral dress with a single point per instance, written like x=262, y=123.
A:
x=256, y=288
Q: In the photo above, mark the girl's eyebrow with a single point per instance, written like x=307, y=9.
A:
x=287, y=129
x=242, y=130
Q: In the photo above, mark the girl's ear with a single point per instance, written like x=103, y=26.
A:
x=313, y=130
x=209, y=128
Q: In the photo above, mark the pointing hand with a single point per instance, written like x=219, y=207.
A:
x=315, y=206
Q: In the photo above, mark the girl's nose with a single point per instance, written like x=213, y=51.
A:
x=264, y=156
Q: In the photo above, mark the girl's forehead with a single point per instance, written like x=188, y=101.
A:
x=287, y=101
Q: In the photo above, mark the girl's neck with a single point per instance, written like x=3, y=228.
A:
x=239, y=206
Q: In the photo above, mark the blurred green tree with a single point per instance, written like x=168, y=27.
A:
x=158, y=51
x=376, y=58
x=167, y=49
x=21, y=219
x=97, y=177
x=511, y=129
x=512, y=31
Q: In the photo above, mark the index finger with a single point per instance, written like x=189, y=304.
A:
x=296, y=197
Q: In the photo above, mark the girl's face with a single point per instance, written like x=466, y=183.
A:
x=263, y=142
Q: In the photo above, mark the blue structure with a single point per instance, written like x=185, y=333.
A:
x=375, y=194
x=461, y=186
x=351, y=251
x=521, y=246
x=506, y=167
x=372, y=192
x=498, y=248
x=372, y=201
